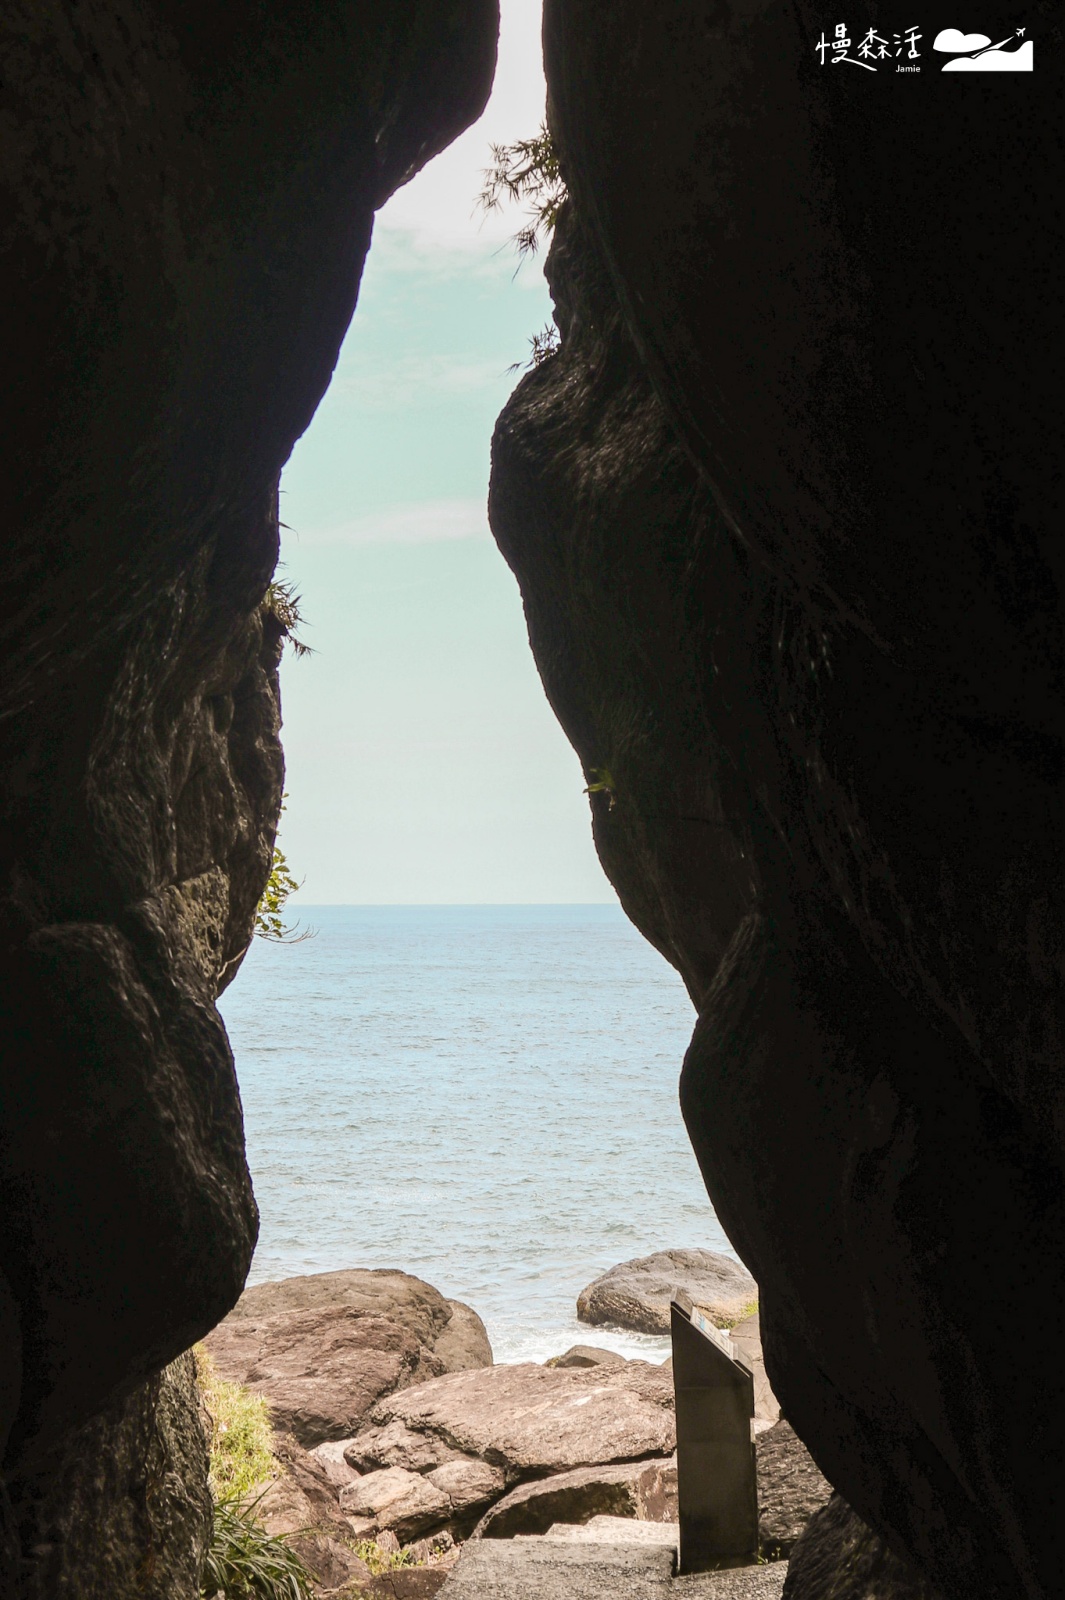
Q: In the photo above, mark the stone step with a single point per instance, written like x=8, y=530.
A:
x=542, y=1568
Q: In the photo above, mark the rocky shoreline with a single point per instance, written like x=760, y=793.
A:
x=396, y=1437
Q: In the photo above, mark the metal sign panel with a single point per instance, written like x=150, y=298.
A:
x=716, y=1485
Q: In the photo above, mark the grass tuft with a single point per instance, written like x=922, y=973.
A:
x=247, y=1563
x=239, y=1434
x=379, y=1560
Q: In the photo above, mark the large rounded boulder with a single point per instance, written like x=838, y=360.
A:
x=637, y=1294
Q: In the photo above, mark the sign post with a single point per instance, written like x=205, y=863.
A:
x=716, y=1485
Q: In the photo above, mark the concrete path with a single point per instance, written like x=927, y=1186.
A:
x=559, y=1569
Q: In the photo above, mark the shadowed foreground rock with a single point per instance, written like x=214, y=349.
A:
x=785, y=510
x=122, y=1505
x=188, y=193
x=839, y=1558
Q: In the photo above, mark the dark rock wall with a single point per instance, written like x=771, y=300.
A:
x=838, y=1558
x=121, y=1507
x=188, y=199
x=784, y=511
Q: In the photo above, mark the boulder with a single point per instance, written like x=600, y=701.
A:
x=746, y=1337
x=817, y=726
x=188, y=194
x=304, y=1495
x=633, y=1489
x=791, y=1489
x=586, y=1355
x=532, y=1420
x=464, y=1343
x=324, y=1347
x=396, y=1445
x=839, y=1555
x=332, y=1564
x=410, y=1504
x=330, y=1457
x=404, y=1502
x=467, y=1484
x=407, y=1583
x=636, y=1294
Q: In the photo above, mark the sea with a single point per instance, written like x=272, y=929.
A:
x=485, y=1096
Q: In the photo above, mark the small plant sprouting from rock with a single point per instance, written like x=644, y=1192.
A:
x=529, y=171
x=247, y=1563
x=542, y=344
x=282, y=602
x=601, y=781
x=379, y=1560
x=269, y=923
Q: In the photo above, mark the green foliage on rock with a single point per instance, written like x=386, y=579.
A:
x=280, y=884
x=379, y=1560
x=238, y=1429
x=527, y=170
x=283, y=603
x=247, y=1563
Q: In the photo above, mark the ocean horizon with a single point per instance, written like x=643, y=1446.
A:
x=482, y=1095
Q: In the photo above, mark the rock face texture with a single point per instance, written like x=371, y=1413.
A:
x=637, y=1294
x=785, y=513
x=324, y=1347
x=188, y=194
x=635, y=1489
x=790, y=1489
x=839, y=1558
x=527, y=1419
x=121, y=1506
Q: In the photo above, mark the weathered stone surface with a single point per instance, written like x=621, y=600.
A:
x=408, y=1583
x=740, y=1583
x=586, y=1355
x=606, y=1529
x=656, y=1492
x=333, y=1564
x=324, y=1347
x=393, y=1498
x=121, y=1510
x=467, y=1484
x=820, y=800
x=320, y=1370
x=331, y=1458
x=304, y=1496
x=541, y=1569
x=791, y=1489
x=531, y=1420
x=464, y=1343
x=564, y=1497
x=410, y=1504
x=396, y=1445
x=636, y=1294
x=838, y=1555
x=188, y=193
x=746, y=1337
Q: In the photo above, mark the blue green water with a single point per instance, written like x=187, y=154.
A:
x=482, y=1095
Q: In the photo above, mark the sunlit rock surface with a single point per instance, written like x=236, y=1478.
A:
x=188, y=193
x=784, y=511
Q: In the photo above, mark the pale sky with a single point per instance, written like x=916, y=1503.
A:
x=424, y=763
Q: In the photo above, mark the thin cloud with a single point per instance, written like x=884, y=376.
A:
x=429, y=522
x=409, y=380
